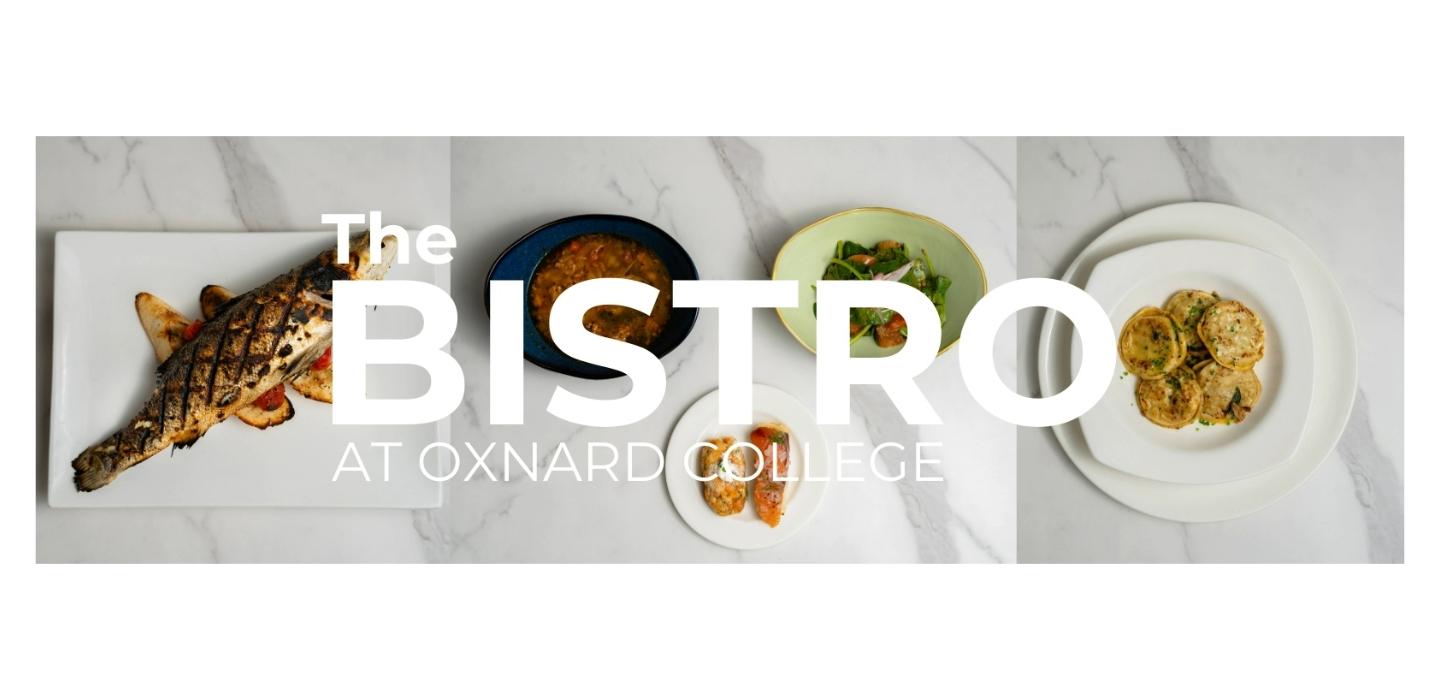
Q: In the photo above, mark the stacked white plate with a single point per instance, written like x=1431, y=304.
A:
x=1210, y=473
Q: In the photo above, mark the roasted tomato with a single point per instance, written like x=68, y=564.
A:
x=892, y=333
x=273, y=399
x=322, y=362
x=192, y=330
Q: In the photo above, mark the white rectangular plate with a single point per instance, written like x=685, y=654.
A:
x=104, y=368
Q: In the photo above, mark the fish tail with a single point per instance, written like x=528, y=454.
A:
x=137, y=441
x=99, y=465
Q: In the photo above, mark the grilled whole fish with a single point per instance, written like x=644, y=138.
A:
x=257, y=340
x=168, y=331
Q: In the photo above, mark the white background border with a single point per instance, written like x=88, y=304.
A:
x=749, y=68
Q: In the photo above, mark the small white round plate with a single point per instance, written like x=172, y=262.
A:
x=1333, y=336
x=809, y=465
x=1121, y=438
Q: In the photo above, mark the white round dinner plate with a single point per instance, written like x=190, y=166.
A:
x=809, y=466
x=1121, y=438
x=1335, y=366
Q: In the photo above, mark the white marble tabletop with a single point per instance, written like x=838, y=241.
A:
x=1344, y=198
x=731, y=202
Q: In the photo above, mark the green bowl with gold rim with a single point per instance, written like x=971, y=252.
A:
x=806, y=255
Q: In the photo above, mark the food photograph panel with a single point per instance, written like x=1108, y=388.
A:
x=739, y=209
x=1255, y=287
x=138, y=241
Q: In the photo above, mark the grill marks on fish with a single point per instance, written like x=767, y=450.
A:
x=160, y=411
x=171, y=389
x=189, y=370
x=231, y=361
x=254, y=326
x=228, y=367
x=220, y=351
x=240, y=354
x=164, y=401
x=213, y=359
x=283, y=322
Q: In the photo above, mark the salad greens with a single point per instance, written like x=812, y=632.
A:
x=889, y=261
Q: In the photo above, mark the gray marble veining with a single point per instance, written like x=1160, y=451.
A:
x=1378, y=486
x=744, y=167
x=255, y=197
x=926, y=508
x=1201, y=176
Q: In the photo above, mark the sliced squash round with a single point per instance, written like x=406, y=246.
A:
x=1228, y=394
x=1172, y=401
x=1234, y=335
x=1150, y=345
x=1187, y=307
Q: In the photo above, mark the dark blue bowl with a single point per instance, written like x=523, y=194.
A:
x=520, y=260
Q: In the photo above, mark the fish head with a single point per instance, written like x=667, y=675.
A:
x=369, y=267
